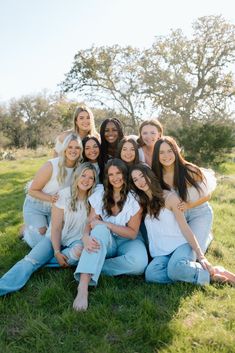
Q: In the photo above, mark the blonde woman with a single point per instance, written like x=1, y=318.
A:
x=83, y=125
x=69, y=217
x=53, y=176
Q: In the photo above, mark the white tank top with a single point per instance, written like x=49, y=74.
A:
x=164, y=233
x=52, y=187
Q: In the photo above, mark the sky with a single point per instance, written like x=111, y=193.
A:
x=39, y=38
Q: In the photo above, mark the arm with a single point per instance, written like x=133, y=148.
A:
x=172, y=203
x=40, y=180
x=129, y=231
x=183, y=206
x=57, y=218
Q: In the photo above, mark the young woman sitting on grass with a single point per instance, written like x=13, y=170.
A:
x=69, y=217
x=52, y=177
x=112, y=234
x=192, y=184
x=128, y=151
x=172, y=244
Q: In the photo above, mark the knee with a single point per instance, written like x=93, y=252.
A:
x=136, y=264
x=177, y=270
x=101, y=233
x=42, y=230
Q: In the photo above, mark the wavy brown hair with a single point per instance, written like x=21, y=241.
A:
x=185, y=173
x=108, y=199
x=151, y=206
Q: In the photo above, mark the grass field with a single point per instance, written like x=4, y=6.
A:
x=125, y=314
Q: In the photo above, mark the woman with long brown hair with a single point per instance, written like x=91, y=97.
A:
x=192, y=184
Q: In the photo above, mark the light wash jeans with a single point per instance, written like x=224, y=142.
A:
x=123, y=256
x=200, y=220
x=37, y=214
x=180, y=265
x=20, y=273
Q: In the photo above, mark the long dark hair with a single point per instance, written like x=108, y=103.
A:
x=185, y=173
x=108, y=199
x=134, y=144
x=104, y=143
x=99, y=159
x=150, y=206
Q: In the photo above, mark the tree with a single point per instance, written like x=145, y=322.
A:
x=192, y=78
x=111, y=77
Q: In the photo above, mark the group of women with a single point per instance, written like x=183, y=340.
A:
x=116, y=204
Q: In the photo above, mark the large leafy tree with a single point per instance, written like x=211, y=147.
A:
x=192, y=78
x=110, y=76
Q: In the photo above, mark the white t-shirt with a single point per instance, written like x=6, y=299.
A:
x=164, y=233
x=206, y=186
x=74, y=222
x=130, y=208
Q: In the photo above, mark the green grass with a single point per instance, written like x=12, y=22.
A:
x=125, y=314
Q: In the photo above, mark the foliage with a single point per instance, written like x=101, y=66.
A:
x=125, y=313
x=207, y=142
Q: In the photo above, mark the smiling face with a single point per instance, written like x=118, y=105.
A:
x=166, y=155
x=150, y=135
x=92, y=150
x=139, y=180
x=86, y=180
x=72, y=152
x=111, y=132
x=128, y=152
x=83, y=122
x=115, y=177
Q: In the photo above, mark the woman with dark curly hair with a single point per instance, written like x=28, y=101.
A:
x=111, y=234
x=111, y=133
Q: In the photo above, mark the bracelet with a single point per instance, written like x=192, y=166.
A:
x=56, y=252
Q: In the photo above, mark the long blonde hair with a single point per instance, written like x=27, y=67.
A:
x=62, y=172
x=85, y=108
x=74, y=186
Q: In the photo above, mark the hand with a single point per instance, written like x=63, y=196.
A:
x=54, y=198
x=206, y=265
x=183, y=206
x=62, y=259
x=95, y=221
x=90, y=244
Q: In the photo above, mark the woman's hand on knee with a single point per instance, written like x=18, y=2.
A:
x=91, y=244
x=62, y=259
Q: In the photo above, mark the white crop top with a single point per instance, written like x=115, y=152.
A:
x=206, y=186
x=52, y=187
x=130, y=208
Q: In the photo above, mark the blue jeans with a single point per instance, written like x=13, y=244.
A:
x=37, y=214
x=200, y=220
x=20, y=273
x=180, y=265
x=116, y=256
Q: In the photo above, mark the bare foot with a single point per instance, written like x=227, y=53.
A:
x=81, y=301
x=224, y=276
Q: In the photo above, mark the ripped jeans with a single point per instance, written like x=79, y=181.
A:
x=37, y=215
x=20, y=273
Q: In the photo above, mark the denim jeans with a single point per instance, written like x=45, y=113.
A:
x=37, y=214
x=180, y=265
x=20, y=273
x=200, y=220
x=116, y=256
